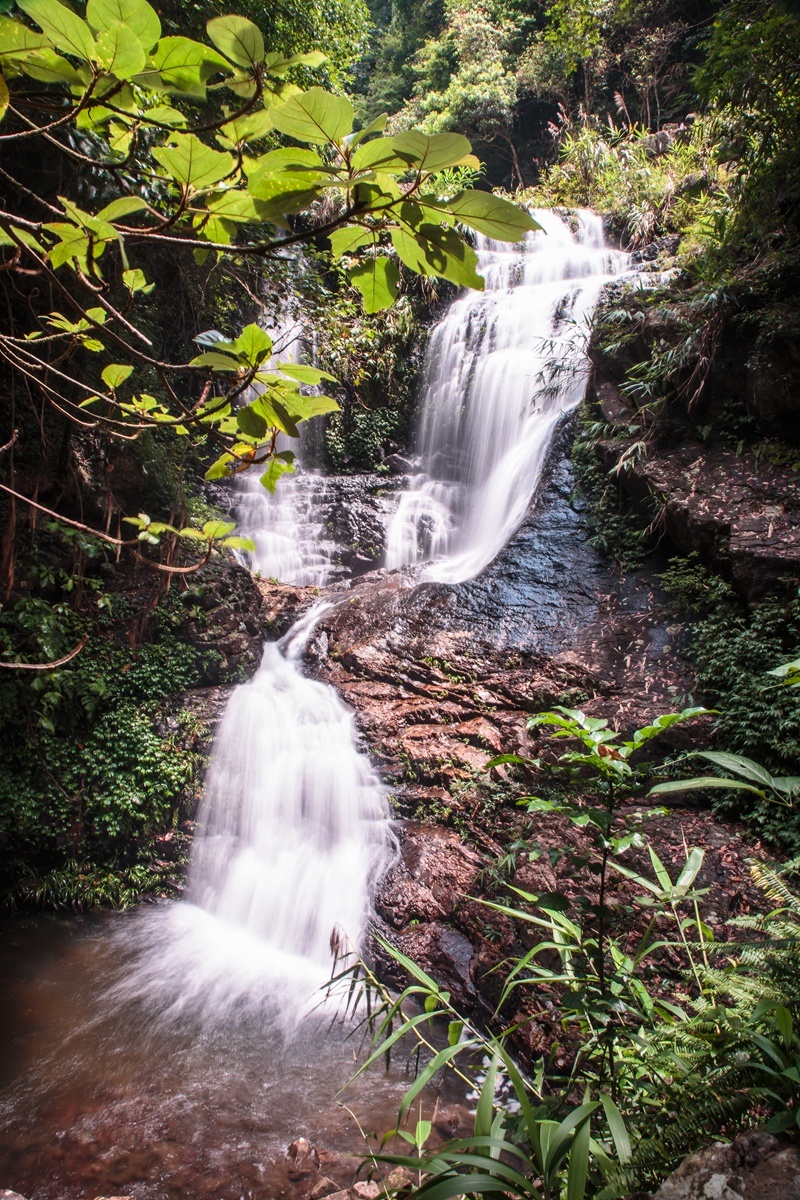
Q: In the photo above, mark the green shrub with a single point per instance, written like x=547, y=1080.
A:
x=733, y=648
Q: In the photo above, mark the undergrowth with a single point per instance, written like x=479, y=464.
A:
x=733, y=648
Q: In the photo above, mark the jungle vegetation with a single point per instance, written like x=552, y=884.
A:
x=159, y=172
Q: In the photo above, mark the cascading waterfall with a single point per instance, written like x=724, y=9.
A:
x=292, y=828
x=291, y=543
x=292, y=834
x=503, y=367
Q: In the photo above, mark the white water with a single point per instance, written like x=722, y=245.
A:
x=292, y=835
x=492, y=400
x=291, y=542
x=292, y=828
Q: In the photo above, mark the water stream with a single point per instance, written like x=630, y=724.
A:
x=503, y=366
x=166, y=1051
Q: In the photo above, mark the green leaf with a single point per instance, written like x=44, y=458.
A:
x=62, y=26
x=376, y=126
x=238, y=543
x=278, y=66
x=484, y=1113
x=276, y=468
x=136, y=15
x=192, y=163
x=252, y=345
x=249, y=128
x=314, y=116
x=135, y=281
x=433, y=153
x=617, y=1129
x=492, y=216
x=218, y=529
x=578, y=1172
x=304, y=374
x=437, y=1062
x=690, y=869
x=120, y=52
x=379, y=155
x=115, y=374
x=431, y=250
x=16, y=38
x=703, y=783
x=218, y=362
x=122, y=207
x=348, y=240
x=251, y=422
x=181, y=65
x=238, y=39
x=4, y=97
x=738, y=765
x=376, y=278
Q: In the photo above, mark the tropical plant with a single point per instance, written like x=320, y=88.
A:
x=172, y=145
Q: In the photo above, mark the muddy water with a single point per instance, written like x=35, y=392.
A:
x=106, y=1100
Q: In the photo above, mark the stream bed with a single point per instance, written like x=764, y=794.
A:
x=108, y=1100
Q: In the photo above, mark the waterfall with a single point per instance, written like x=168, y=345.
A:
x=292, y=827
x=503, y=366
x=291, y=542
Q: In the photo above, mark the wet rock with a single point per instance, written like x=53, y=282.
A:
x=324, y=1187
x=223, y=614
x=754, y=1166
x=398, y=464
x=447, y=955
x=399, y=1180
x=366, y=1190
x=303, y=1154
x=742, y=516
x=432, y=874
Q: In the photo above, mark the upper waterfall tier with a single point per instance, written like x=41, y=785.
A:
x=503, y=366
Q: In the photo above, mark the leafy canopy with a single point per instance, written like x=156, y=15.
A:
x=208, y=150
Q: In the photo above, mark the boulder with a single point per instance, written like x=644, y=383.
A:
x=754, y=1166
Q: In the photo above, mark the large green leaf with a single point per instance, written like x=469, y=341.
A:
x=376, y=277
x=276, y=468
x=48, y=67
x=433, y=153
x=431, y=250
x=703, y=783
x=249, y=128
x=236, y=205
x=121, y=207
x=252, y=345
x=378, y=155
x=120, y=52
x=492, y=216
x=349, y=239
x=192, y=163
x=62, y=26
x=278, y=66
x=251, y=422
x=238, y=39
x=314, y=116
x=4, y=97
x=136, y=15
x=745, y=767
x=16, y=38
x=181, y=65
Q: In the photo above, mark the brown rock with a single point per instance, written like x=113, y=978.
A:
x=367, y=1190
x=399, y=1180
x=324, y=1187
x=755, y=1166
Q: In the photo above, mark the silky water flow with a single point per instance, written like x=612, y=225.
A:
x=503, y=367
x=163, y=1052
